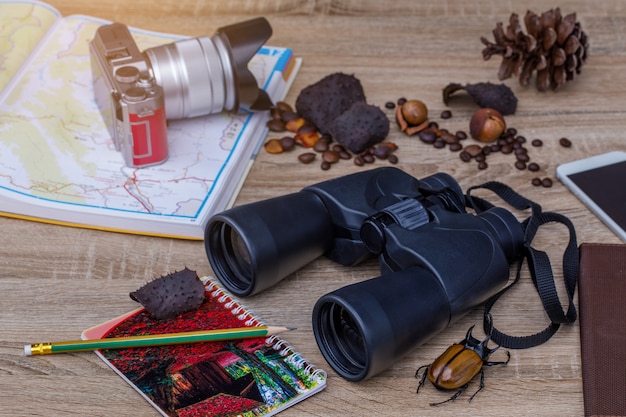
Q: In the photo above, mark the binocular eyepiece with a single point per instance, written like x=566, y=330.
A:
x=437, y=261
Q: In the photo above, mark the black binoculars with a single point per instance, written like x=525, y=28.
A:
x=437, y=261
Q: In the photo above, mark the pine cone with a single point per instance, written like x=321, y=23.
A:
x=555, y=46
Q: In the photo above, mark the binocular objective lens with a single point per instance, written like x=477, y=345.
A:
x=234, y=257
x=342, y=339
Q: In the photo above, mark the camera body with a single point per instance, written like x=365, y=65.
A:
x=136, y=91
x=438, y=261
x=128, y=96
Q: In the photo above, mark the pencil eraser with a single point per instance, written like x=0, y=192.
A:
x=27, y=350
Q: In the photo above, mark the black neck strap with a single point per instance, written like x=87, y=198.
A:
x=538, y=264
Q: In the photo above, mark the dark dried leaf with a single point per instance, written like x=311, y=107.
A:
x=496, y=96
x=171, y=295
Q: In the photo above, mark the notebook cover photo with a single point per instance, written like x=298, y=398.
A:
x=247, y=377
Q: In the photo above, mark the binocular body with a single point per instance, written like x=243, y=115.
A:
x=437, y=261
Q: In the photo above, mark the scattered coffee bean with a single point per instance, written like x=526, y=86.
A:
x=537, y=143
x=382, y=152
x=320, y=146
x=439, y=143
x=461, y=135
x=538, y=182
x=393, y=159
x=455, y=147
x=283, y=106
x=325, y=166
x=287, y=142
x=401, y=101
x=330, y=156
x=565, y=142
x=465, y=156
x=521, y=165
x=306, y=158
x=390, y=105
x=446, y=114
x=482, y=165
x=338, y=148
x=473, y=150
x=533, y=167
x=287, y=116
x=522, y=157
x=369, y=158
x=276, y=125
x=358, y=160
x=428, y=135
x=449, y=137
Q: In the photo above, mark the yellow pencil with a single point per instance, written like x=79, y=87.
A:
x=152, y=340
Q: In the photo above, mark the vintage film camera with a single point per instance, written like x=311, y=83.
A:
x=137, y=91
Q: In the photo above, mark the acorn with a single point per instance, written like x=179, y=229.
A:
x=414, y=112
x=486, y=125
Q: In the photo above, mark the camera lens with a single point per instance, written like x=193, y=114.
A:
x=231, y=248
x=206, y=75
x=341, y=339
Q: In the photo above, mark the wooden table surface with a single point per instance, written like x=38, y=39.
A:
x=56, y=281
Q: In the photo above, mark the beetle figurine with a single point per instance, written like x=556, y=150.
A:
x=458, y=365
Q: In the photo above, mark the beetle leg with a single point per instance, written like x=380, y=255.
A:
x=508, y=358
x=423, y=377
x=480, y=386
x=454, y=397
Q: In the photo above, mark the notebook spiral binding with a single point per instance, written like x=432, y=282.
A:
x=250, y=319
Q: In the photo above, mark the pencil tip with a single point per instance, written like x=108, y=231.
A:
x=291, y=328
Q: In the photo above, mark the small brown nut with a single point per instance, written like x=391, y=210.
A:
x=295, y=124
x=486, y=125
x=307, y=139
x=273, y=146
x=414, y=112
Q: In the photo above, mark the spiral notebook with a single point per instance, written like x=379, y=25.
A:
x=247, y=377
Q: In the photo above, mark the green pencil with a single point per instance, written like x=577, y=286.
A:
x=152, y=340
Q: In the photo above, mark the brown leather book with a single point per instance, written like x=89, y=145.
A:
x=602, y=306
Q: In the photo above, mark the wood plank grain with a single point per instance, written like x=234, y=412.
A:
x=57, y=281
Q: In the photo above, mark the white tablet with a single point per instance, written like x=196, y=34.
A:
x=600, y=182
